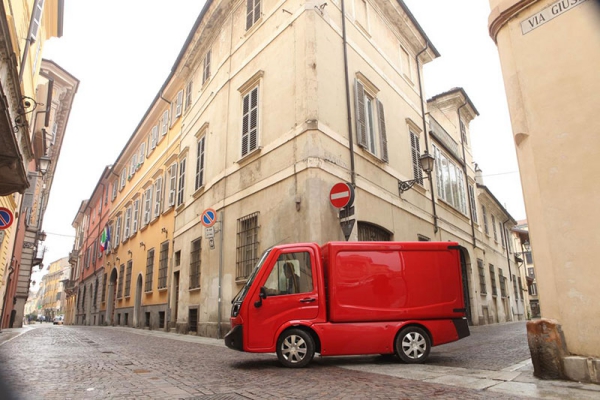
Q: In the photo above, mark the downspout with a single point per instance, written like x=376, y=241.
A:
x=471, y=205
x=435, y=218
x=508, y=260
x=348, y=110
x=220, y=300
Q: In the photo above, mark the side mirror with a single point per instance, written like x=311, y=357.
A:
x=262, y=295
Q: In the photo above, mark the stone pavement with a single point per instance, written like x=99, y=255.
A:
x=75, y=362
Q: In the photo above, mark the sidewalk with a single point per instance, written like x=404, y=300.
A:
x=11, y=333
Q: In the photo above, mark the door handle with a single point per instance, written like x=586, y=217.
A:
x=307, y=300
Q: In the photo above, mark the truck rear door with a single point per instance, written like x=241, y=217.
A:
x=290, y=285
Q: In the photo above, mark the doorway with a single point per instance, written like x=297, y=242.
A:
x=176, y=293
x=137, y=309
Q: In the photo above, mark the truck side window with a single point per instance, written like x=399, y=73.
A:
x=292, y=273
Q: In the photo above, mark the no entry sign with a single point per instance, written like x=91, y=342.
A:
x=6, y=218
x=341, y=195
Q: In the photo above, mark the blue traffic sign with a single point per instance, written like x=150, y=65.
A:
x=208, y=217
x=6, y=218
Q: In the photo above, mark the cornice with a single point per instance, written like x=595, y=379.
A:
x=503, y=13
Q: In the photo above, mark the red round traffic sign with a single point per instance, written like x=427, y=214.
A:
x=341, y=195
x=6, y=218
x=208, y=217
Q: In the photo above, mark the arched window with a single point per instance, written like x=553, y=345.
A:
x=372, y=233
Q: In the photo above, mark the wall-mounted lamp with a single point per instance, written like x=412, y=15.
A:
x=427, y=161
x=41, y=236
x=142, y=244
x=164, y=230
x=118, y=259
x=527, y=246
x=44, y=164
x=130, y=253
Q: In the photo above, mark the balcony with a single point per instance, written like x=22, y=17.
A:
x=444, y=138
x=73, y=256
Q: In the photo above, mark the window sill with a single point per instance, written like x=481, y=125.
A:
x=180, y=207
x=198, y=192
x=164, y=289
x=254, y=26
x=483, y=294
x=373, y=157
x=168, y=210
x=197, y=289
x=452, y=209
x=249, y=156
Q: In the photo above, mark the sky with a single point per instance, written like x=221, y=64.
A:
x=124, y=51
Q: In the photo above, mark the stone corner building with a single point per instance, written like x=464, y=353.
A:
x=266, y=108
x=549, y=52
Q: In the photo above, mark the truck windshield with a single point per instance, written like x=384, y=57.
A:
x=242, y=293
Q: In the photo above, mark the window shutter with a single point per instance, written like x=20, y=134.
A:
x=206, y=74
x=250, y=122
x=361, y=126
x=415, y=149
x=200, y=165
x=142, y=153
x=172, y=183
x=382, y=133
x=157, y=196
x=253, y=118
x=36, y=19
x=178, y=104
x=136, y=213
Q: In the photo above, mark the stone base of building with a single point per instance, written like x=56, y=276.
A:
x=551, y=358
x=205, y=329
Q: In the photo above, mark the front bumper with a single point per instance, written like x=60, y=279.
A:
x=234, y=338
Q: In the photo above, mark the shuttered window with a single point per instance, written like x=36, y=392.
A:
x=370, y=122
x=206, y=69
x=188, y=95
x=157, y=197
x=164, y=123
x=481, y=270
x=128, y=278
x=415, y=151
x=200, y=165
x=172, y=184
x=36, y=20
x=121, y=281
x=473, y=205
x=136, y=215
x=127, y=224
x=163, y=263
x=147, y=206
x=149, y=270
x=181, y=186
x=252, y=12
x=195, y=264
x=250, y=122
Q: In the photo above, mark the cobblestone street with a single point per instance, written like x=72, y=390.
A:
x=75, y=362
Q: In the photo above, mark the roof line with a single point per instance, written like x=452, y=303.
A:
x=418, y=26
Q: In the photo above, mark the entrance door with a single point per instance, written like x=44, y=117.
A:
x=292, y=295
x=137, y=309
x=176, y=291
x=464, y=257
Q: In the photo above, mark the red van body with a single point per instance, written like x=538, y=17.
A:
x=352, y=298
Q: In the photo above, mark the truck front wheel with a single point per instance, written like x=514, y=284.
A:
x=413, y=345
x=295, y=348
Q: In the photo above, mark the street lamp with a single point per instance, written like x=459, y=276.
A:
x=427, y=162
x=44, y=164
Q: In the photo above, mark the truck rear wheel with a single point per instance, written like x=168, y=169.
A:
x=295, y=348
x=413, y=345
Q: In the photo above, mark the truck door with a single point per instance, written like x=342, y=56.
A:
x=291, y=295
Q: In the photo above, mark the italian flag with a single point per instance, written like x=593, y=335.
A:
x=104, y=239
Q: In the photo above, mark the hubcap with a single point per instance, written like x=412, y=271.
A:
x=414, y=345
x=293, y=348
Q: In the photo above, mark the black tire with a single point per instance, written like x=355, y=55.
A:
x=413, y=345
x=295, y=348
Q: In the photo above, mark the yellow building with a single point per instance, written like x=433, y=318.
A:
x=550, y=60
x=53, y=299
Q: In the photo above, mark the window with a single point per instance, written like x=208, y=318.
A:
x=405, y=63
x=450, y=181
x=147, y=206
x=531, y=272
x=494, y=228
x=114, y=190
x=200, y=164
x=136, y=215
x=370, y=121
x=463, y=131
x=250, y=122
x=290, y=275
x=361, y=13
x=520, y=289
x=485, y=221
x=163, y=263
x=206, y=69
x=36, y=19
x=252, y=12
x=514, y=279
x=473, y=206
x=121, y=279
x=123, y=178
x=181, y=186
x=118, y=231
x=415, y=149
x=154, y=137
x=528, y=257
x=172, y=184
x=133, y=165
x=247, y=245
x=157, y=196
x=105, y=197
x=481, y=270
x=149, y=270
x=533, y=289
x=142, y=153
x=188, y=95
x=502, y=279
x=195, y=264
x=493, y=279
x=177, y=105
x=502, y=237
x=128, y=278
x=127, y=223
x=164, y=123
x=103, y=296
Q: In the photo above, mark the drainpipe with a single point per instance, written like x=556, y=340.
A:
x=471, y=205
x=348, y=110
x=508, y=259
x=220, y=300
x=435, y=218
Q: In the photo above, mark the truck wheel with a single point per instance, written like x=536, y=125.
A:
x=413, y=345
x=295, y=348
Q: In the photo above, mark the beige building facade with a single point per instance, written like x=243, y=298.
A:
x=550, y=61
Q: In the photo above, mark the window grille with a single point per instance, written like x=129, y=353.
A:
x=195, y=264
x=163, y=264
x=482, y=288
x=121, y=279
x=493, y=279
x=128, y=278
x=193, y=318
x=370, y=233
x=149, y=270
x=247, y=245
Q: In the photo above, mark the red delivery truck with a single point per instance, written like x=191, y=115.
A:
x=351, y=298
